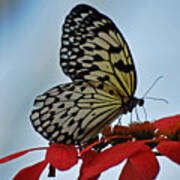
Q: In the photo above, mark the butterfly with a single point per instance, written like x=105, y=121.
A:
x=96, y=57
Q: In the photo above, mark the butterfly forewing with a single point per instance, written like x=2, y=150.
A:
x=74, y=112
x=94, y=49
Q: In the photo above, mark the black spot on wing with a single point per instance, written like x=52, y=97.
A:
x=123, y=67
x=113, y=49
x=71, y=123
x=111, y=92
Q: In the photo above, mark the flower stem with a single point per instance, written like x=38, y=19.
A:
x=52, y=171
x=157, y=154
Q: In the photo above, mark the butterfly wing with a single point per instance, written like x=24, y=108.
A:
x=74, y=112
x=94, y=49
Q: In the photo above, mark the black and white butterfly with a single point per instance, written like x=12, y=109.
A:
x=96, y=57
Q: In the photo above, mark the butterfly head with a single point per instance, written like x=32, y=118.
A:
x=133, y=103
x=139, y=102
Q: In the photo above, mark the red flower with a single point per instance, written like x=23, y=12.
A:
x=135, y=143
x=87, y=157
x=142, y=165
x=116, y=154
x=167, y=122
x=170, y=127
x=60, y=156
x=171, y=149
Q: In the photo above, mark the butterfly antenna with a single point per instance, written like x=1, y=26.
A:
x=152, y=85
x=157, y=99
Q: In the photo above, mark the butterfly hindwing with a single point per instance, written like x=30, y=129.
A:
x=74, y=112
x=94, y=49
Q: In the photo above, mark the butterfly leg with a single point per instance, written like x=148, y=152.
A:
x=131, y=116
x=137, y=116
x=145, y=114
x=119, y=120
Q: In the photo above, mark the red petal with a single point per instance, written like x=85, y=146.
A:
x=109, y=158
x=143, y=165
x=167, y=122
x=129, y=172
x=86, y=158
x=62, y=156
x=18, y=154
x=171, y=149
x=32, y=172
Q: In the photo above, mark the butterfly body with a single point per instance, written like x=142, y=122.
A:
x=96, y=57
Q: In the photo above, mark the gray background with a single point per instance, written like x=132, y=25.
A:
x=30, y=34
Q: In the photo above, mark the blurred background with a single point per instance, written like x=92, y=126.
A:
x=30, y=38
